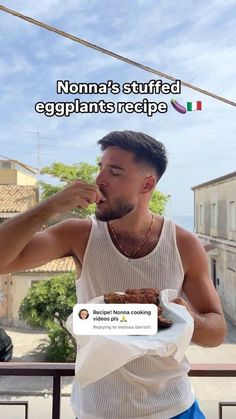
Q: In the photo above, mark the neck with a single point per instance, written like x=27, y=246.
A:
x=133, y=224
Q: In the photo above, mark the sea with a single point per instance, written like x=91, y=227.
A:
x=185, y=221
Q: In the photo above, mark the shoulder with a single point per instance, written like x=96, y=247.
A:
x=75, y=233
x=190, y=248
x=73, y=226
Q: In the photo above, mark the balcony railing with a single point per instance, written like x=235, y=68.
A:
x=58, y=370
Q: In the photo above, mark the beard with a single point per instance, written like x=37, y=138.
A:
x=118, y=209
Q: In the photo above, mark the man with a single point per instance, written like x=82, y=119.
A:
x=125, y=246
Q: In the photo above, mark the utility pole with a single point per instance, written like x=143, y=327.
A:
x=38, y=146
x=38, y=152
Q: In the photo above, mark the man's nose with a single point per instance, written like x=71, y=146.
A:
x=101, y=179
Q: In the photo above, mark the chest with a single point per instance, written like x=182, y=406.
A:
x=135, y=247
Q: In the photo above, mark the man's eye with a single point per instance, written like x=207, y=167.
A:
x=115, y=173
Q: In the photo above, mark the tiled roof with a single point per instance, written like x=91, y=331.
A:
x=229, y=176
x=58, y=265
x=16, y=198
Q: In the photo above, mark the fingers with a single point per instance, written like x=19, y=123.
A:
x=89, y=191
x=179, y=300
x=79, y=194
x=99, y=196
x=183, y=303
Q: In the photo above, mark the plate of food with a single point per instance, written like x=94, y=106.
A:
x=137, y=296
x=99, y=355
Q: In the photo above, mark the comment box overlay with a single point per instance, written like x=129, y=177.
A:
x=115, y=319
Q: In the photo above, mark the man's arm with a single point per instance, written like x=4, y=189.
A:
x=203, y=301
x=22, y=247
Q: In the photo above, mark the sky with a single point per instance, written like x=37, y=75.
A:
x=192, y=41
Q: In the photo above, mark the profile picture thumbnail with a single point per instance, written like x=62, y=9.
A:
x=83, y=314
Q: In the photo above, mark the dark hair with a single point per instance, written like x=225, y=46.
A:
x=144, y=148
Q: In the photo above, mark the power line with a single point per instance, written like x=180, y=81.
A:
x=113, y=54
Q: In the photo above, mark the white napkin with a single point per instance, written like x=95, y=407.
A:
x=98, y=356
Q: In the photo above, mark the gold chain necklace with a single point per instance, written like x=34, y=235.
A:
x=140, y=246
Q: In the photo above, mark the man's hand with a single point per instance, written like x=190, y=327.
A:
x=78, y=194
x=201, y=321
x=184, y=303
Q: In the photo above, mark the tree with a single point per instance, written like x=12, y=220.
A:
x=47, y=306
x=158, y=202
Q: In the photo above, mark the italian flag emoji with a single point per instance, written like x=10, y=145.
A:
x=194, y=106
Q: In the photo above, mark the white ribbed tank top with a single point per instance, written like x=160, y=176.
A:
x=149, y=387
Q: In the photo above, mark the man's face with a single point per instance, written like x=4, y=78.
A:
x=119, y=180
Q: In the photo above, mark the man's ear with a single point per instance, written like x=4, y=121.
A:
x=149, y=184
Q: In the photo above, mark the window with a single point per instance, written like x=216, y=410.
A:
x=232, y=215
x=201, y=215
x=214, y=215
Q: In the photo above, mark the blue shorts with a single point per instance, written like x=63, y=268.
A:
x=193, y=412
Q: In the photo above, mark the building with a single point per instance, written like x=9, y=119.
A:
x=215, y=224
x=19, y=192
x=18, y=188
x=14, y=287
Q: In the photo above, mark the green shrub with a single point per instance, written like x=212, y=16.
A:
x=58, y=347
x=48, y=305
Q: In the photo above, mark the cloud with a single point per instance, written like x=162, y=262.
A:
x=194, y=41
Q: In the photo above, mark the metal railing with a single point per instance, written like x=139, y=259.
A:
x=44, y=369
x=58, y=370
x=25, y=404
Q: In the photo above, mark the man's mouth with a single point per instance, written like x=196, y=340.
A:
x=104, y=195
x=102, y=201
